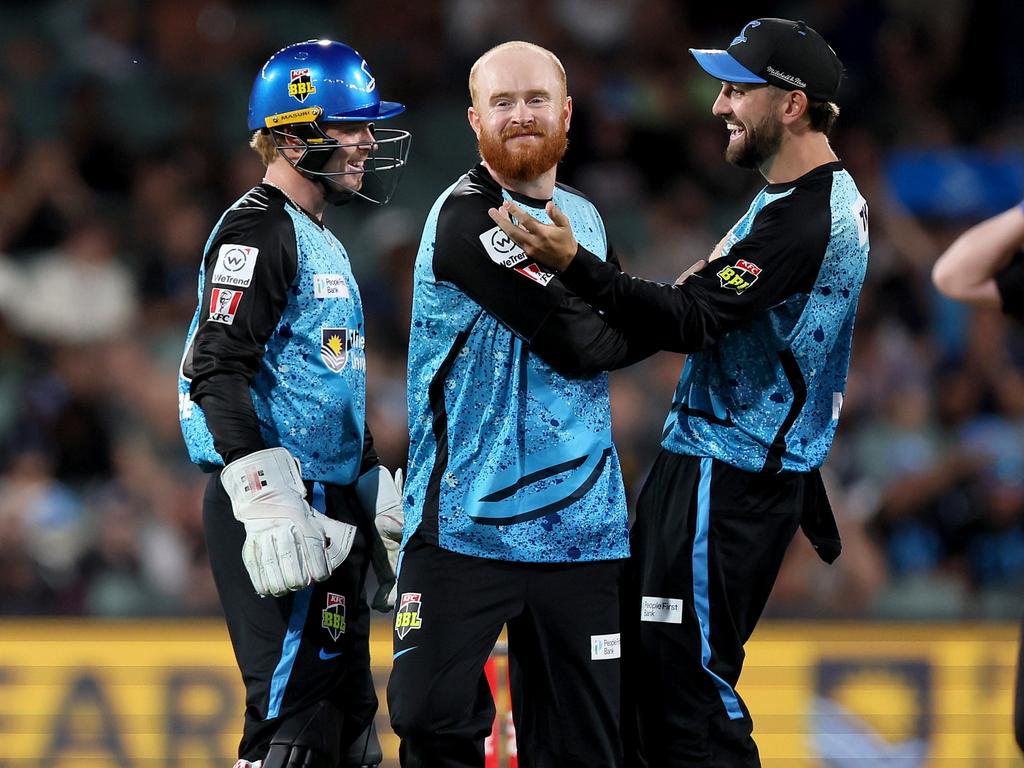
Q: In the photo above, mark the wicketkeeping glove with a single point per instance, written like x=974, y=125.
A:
x=381, y=495
x=287, y=543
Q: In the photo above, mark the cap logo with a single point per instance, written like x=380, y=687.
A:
x=742, y=36
x=791, y=79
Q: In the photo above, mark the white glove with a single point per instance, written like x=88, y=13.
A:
x=381, y=495
x=287, y=543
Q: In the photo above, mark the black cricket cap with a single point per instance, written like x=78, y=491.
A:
x=788, y=54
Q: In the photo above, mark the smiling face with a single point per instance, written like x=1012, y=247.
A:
x=520, y=111
x=755, y=130
x=356, y=141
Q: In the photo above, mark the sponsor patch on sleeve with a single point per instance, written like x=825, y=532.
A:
x=740, y=275
x=234, y=266
x=501, y=248
x=536, y=273
x=503, y=251
x=224, y=304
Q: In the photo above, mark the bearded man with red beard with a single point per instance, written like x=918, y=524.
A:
x=515, y=508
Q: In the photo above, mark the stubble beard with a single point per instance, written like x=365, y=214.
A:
x=759, y=144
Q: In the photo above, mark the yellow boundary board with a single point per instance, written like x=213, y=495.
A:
x=166, y=693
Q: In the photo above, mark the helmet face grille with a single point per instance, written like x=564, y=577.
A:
x=382, y=168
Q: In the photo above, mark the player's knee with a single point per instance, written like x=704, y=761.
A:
x=417, y=718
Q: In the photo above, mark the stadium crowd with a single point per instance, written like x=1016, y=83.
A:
x=115, y=122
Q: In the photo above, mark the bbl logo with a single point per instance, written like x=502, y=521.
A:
x=336, y=344
x=334, y=615
x=407, y=618
x=740, y=276
x=300, y=85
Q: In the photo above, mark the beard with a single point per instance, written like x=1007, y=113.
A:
x=759, y=143
x=523, y=163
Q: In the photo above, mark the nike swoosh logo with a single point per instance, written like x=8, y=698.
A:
x=402, y=653
x=328, y=656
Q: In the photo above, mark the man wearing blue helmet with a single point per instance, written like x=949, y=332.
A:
x=272, y=392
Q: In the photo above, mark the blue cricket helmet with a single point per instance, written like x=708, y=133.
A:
x=308, y=85
x=316, y=80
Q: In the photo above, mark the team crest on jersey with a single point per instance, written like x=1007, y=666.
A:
x=333, y=616
x=739, y=276
x=338, y=345
x=407, y=617
x=300, y=85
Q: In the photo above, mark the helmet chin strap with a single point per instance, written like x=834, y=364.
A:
x=309, y=166
x=333, y=193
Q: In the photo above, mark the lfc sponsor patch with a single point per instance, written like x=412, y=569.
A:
x=605, y=647
x=300, y=84
x=234, y=266
x=664, y=610
x=330, y=287
x=340, y=347
x=739, y=276
x=333, y=616
x=224, y=304
x=407, y=617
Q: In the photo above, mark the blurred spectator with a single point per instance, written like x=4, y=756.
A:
x=45, y=197
x=79, y=293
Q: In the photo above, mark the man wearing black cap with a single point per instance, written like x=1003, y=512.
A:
x=767, y=324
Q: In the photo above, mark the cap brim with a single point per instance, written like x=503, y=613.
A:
x=721, y=65
x=381, y=111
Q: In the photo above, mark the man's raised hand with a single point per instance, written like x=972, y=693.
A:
x=552, y=245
